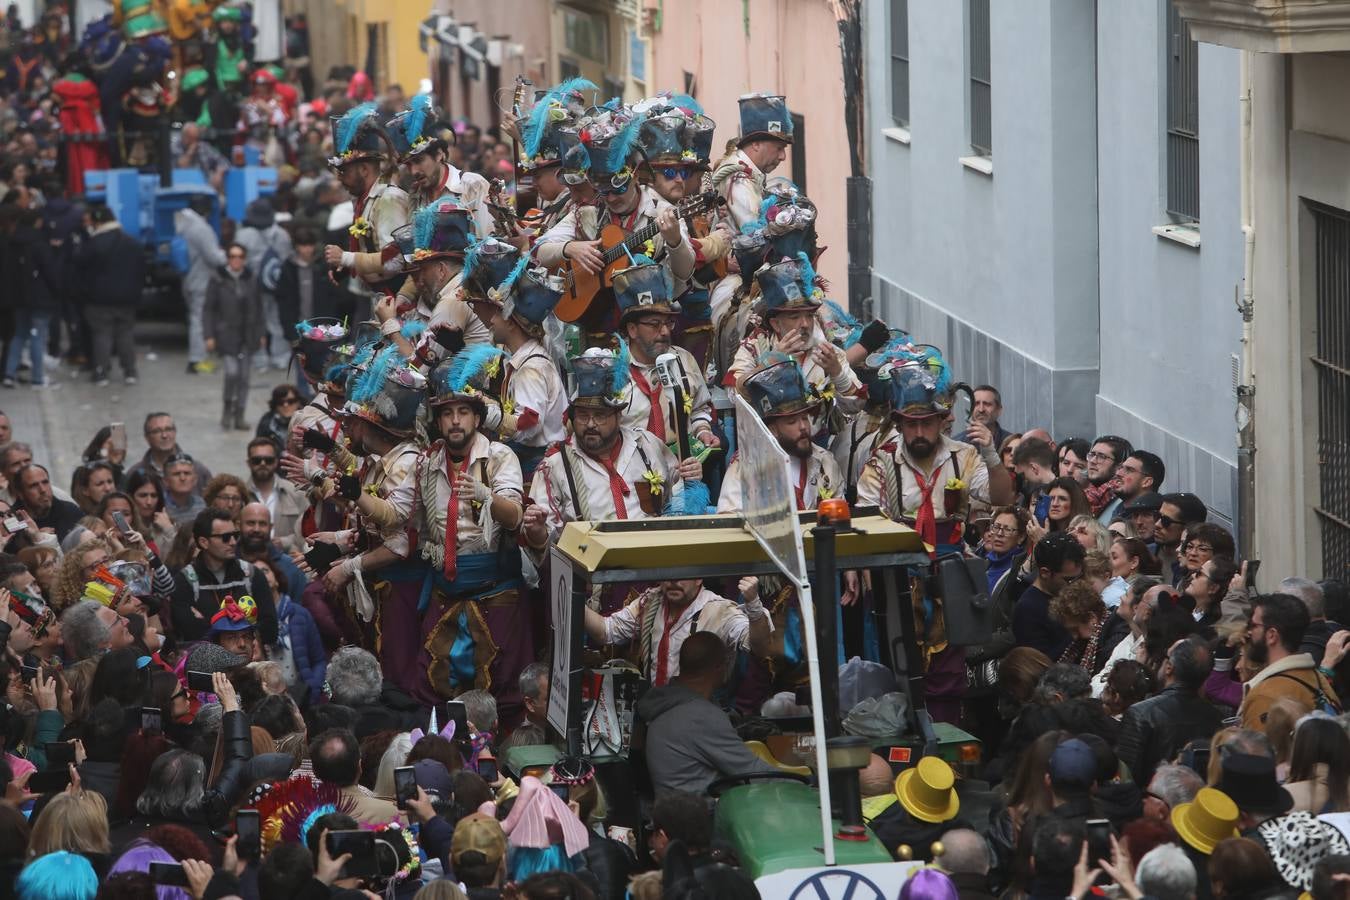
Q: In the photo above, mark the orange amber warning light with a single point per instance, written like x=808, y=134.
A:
x=833, y=511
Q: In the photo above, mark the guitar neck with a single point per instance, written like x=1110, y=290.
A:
x=692, y=207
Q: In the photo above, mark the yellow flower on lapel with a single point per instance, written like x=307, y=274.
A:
x=955, y=484
x=508, y=406
x=655, y=480
x=360, y=228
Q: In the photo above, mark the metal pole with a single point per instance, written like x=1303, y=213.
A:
x=827, y=595
x=817, y=718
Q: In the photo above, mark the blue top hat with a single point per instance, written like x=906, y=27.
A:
x=417, y=129
x=918, y=389
x=554, y=110
x=488, y=264
x=534, y=297
x=643, y=289
x=601, y=377
x=765, y=116
x=613, y=141
x=779, y=389
x=787, y=286
x=316, y=339
x=441, y=230
x=386, y=393
x=358, y=135
x=699, y=138
x=661, y=139
x=465, y=377
x=749, y=250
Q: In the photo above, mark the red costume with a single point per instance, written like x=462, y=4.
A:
x=80, y=114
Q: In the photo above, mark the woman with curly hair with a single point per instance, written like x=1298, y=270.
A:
x=1080, y=610
x=227, y=492
x=77, y=568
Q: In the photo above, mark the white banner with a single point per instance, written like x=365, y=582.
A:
x=560, y=573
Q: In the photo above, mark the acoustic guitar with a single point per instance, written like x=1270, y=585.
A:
x=616, y=245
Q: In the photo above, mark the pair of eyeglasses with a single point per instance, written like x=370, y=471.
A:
x=1000, y=529
x=1168, y=521
x=674, y=172
x=262, y=460
x=616, y=184
x=1094, y=456
x=228, y=537
x=1199, y=548
x=656, y=323
x=289, y=401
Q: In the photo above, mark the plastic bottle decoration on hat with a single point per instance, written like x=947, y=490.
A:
x=643, y=288
x=764, y=116
x=441, y=230
x=917, y=390
x=1297, y=842
x=465, y=377
x=487, y=264
x=788, y=285
x=554, y=108
x=779, y=388
x=601, y=377
x=661, y=139
x=358, y=135
x=134, y=575
x=316, y=341
x=533, y=299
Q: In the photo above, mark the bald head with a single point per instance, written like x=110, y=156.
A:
x=1040, y=434
x=877, y=779
x=964, y=850
x=255, y=528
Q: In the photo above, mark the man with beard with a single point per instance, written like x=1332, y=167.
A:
x=1274, y=633
x=663, y=616
x=647, y=318
x=256, y=546
x=464, y=504
x=514, y=303
x=33, y=488
x=278, y=496
x=625, y=203
x=547, y=137
x=379, y=421
x=433, y=248
x=781, y=397
x=1142, y=472
x=604, y=470
x=1108, y=452
x=766, y=133
x=789, y=304
x=1177, y=513
x=927, y=480
x=362, y=164
x=421, y=138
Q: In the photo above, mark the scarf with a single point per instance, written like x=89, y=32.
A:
x=925, y=522
x=1099, y=495
x=1089, y=652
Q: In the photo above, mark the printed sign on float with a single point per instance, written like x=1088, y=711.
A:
x=768, y=505
x=560, y=570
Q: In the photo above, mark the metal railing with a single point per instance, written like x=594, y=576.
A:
x=1183, y=120
x=1331, y=365
x=981, y=100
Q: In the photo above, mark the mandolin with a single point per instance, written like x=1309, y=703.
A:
x=580, y=287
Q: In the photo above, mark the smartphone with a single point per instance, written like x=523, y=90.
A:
x=563, y=791
x=361, y=845
x=120, y=522
x=60, y=754
x=118, y=437
x=151, y=720
x=405, y=786
x=1253, y=566
x=248, y=827
x=1200, y=761
x=1098, y=840
x=1043, y=508
x=13, y=524
x=29, y=674
x=487, y=769
x=49, y=781
x=168, y=874
x=201, y=681
x=457, y=712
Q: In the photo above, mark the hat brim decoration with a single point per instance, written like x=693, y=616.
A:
x=934, y=802
x=455, y=380
x=345, y=131
x=235, y=615
x=615, y=391
x=809, y=401
x=551, y=109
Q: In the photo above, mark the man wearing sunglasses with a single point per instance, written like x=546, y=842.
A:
x=200, y=587
x=422, y=139
x=766, y=133
x=1177, y=513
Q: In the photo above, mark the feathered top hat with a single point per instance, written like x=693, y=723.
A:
x=386, y=393
x=574, y=157
x=358, y=135
x=696, y=129
x=316, y=339
x=643, y=288
x=749, y=250
x=601, y=377
x=611, y=138
x=465, y=377
x=662, y=139
x=764, y=116
x=779, y=389
x=439, y=231
x=918, y=387
x=417, y=129
x=496, y=272
x=542, y=141
x=788, y=286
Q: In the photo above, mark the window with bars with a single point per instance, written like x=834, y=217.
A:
x=1331, y=365
x=900, y=62
x=981, y=110
x=1183, y=120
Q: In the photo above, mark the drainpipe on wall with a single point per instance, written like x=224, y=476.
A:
x=1246, y=388
x=848, y=15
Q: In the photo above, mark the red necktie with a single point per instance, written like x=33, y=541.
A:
x=656, y=419
x=663, y=650
x=353, y=243
x=452, y=517
x=924, y=521
x=618, y=487
x=800, y=489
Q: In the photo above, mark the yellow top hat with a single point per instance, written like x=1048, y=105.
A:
x=927, y=791
x=1211, y=818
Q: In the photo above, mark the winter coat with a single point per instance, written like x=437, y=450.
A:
x=690, y=741
x=311, y=662
x=261, y=234
x=112, y=266
x=1153, y=731
x=1295, y=677
x=233, y=315
x=39, y=277
x=205, y=255
x=329, y=301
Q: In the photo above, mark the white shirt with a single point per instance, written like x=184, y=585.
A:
x=823, y=480
x=625, y=625
x=638, y=411
x=532, y=384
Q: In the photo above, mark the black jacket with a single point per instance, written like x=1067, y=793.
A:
x=1153, y=731
x=330, y=300
x=112, y=266
x=1315, y=638
x=39, y=275
x=63, y=517
x=209, y=593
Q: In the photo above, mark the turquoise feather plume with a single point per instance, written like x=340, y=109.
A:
x=685, y=102
x=622, y=145
x=412, y=330
x=694, y=500
x=845, y=320
x=536, y=124
x=418, y=110
x=471, y=256
x=808, y=273
x=521, y=265
x=346, y=126
x=369, y=382
x=620, y=375
x=467, y=363
x=424, y=226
